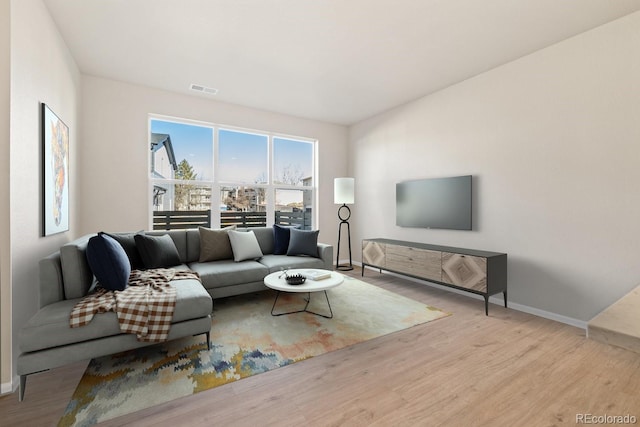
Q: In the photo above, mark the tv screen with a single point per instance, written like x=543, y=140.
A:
x=434, y=203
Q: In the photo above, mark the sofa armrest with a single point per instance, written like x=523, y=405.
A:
x=325, y=252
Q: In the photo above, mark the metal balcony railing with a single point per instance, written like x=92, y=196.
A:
x=180, y=220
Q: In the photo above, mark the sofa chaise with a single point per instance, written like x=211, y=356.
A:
x=47, y=341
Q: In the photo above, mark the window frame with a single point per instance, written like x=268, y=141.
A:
x=216, y=184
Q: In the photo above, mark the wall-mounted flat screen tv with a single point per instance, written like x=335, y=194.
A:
x=434, y=203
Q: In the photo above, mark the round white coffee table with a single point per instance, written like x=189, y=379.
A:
x=277, y=282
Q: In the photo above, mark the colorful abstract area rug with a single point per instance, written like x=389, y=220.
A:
x=245, y=340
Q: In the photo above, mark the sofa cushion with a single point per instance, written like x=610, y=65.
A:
x=128, y=243
x=222, y=273
x=109, y=262
x=215, y=244
x=281, y=236
x=244, y=245
x=157, y=251
x=192, y=245
x=49, y=327
x=303, y=242
x=284, y=262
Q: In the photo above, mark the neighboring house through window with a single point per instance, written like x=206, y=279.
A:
x=163, y=163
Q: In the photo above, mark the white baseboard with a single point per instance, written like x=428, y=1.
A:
x=582, y=324
x=498, y=300
x=8, y=388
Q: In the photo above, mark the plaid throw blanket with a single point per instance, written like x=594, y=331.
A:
x=145, y=308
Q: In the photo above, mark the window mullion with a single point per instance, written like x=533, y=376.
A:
x=215, y=187
x=270, y=193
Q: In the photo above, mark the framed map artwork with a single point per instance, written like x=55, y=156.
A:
x=55, y=172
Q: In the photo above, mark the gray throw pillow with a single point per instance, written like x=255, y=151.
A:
x=215, y=244
x=303, y=242
x=128, y=243
x=157, y=251
x=244, y=245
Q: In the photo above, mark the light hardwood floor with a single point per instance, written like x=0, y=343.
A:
x=507, y=369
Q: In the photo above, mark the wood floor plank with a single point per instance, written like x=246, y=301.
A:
x=508, y=368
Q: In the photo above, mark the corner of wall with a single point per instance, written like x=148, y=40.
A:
x=5, y=246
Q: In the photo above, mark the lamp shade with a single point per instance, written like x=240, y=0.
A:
x=343, y=191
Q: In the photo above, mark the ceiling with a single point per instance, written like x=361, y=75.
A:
x=338, y=61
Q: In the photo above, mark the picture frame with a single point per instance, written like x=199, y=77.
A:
x=55, y=173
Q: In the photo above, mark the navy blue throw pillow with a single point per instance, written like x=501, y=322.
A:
x=303, y=242
x=108, y=262
x=281, y=236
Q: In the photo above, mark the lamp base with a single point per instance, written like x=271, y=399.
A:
x=344, y=221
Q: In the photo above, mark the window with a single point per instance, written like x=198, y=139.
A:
x=217, y=176
x=242, y=157
x=293, y=162
x=293, y=169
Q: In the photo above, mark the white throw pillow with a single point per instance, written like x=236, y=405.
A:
x=244, y=245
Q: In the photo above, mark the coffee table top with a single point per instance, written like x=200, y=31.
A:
x=277, y=281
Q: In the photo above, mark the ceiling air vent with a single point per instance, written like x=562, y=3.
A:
x=204, y=89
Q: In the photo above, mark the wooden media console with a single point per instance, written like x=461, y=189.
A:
x=480, y=272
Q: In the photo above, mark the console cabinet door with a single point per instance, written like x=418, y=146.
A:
x=465, y=271
x=373, y=253
x=416, y=262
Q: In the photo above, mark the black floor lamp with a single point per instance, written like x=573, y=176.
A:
x=343, y=193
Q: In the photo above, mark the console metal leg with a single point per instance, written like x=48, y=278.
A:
x=486, y=305
x=505, y=298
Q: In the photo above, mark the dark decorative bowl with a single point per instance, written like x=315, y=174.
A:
x=295, y=279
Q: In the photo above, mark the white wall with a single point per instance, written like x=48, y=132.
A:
x=114, y=150
x=553, y=142
x=42, y=70
x=5, y=244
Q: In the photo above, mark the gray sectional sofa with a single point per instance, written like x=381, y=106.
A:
x=46, y=340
